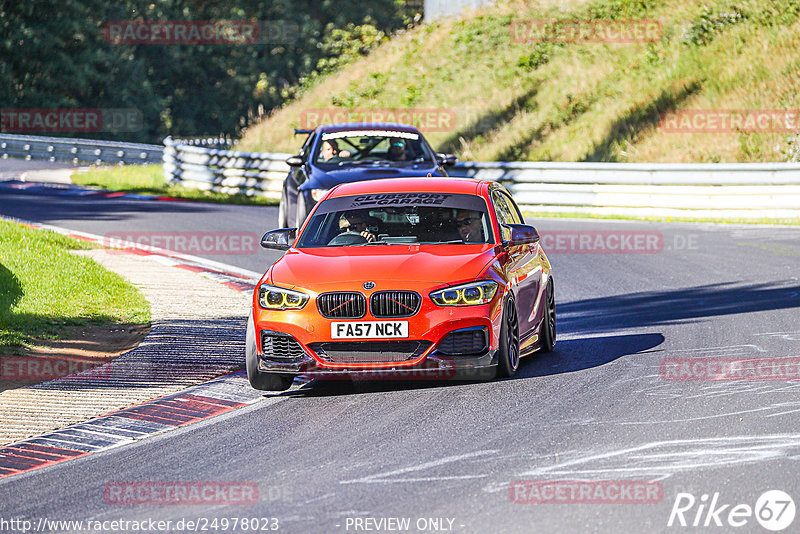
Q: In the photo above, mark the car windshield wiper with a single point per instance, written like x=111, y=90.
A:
x=451, y=242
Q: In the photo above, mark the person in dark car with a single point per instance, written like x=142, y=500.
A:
x=330, y=151
x=397, y=150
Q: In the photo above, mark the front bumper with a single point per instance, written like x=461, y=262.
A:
x=435, y=366
x=302, y=342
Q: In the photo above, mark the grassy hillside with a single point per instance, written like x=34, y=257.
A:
x=577, y=101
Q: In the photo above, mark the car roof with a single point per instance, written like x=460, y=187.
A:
x=447, y=184
x=346, y=126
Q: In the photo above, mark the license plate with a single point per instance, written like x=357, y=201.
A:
x=369, y=329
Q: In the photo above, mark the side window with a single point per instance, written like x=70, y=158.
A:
x=513, y=208
x=506, y=212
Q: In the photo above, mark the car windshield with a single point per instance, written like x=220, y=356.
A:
x=372, y=147
x=398, y=219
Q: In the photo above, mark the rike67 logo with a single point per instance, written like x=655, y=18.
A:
x=774, y=510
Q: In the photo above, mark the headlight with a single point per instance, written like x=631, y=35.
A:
x=466, y=294
x=280, y=298
x=317, y=194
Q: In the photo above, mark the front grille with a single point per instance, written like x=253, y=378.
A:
x=369, y=351
x=280, y=346
x=472, y=341
x=342, y=305
x=394, y=303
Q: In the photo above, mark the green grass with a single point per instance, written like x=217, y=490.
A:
x=149, y=180
x=44, y=288
x=576, y=101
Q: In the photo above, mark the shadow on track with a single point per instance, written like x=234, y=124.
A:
x=45, y=204
x=582, y=353
x=570, y=355
x=675, y=306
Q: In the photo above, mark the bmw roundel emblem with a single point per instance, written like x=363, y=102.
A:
x=369, y=285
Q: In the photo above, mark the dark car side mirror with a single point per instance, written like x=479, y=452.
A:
x=280, y=239
x=521, y=234
x=294, y=161
x=446, y=159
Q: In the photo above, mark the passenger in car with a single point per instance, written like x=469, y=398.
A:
x=397, y=150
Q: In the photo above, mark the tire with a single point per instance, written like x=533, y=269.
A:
x=547, y=332
x=508, y=354
x=283, y=209
x=259, y=380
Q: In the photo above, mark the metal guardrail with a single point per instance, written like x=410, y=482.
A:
x=749, y=190
x=225, y=171
x=220, y=143
x=78, y=151
x=746, y=190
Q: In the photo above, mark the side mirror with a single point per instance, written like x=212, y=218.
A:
x=294, y=161
x=280, y=239
x=521, y=234
x=446, y=159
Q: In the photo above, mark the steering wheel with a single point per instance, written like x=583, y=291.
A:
x=347, y=238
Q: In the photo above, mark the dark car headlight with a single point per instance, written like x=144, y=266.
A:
x=317, y=194
x=471, y=294
x=280, y=298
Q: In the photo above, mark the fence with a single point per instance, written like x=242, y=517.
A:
x=78, y=151
x=747, y=190
x=225, y=171
x=742, y=190
x=751, y=190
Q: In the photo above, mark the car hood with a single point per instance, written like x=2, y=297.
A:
x=325, y=269
x=326, y=180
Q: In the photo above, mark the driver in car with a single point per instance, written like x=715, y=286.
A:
x=355, y=222
x=469, y=225
x=330, y=151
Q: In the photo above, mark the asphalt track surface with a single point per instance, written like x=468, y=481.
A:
x=600, y=408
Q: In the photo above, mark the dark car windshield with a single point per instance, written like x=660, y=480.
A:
x=371, y=147
x=398, y=219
